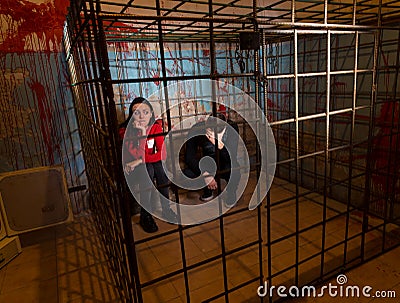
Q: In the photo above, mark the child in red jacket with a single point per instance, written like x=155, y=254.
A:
x=142, y=154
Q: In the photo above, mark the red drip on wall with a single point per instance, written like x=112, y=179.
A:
x=45, y=116
x=32, y=28
x=384, y=147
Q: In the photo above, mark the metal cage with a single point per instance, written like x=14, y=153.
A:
x=326, y=76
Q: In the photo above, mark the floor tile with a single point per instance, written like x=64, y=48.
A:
x=163, y=291
x=2, y=276
x=34, y=252
x=43, y=291
x=90, y=283
x=72, y=255
x=20, y=275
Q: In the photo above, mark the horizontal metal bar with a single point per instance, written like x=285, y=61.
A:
x=282, y=76
x=174, y=78
x=309, y=117
x=108, y=16
x=291, y=120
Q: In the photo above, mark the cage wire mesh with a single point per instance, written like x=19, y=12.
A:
x=325, y=75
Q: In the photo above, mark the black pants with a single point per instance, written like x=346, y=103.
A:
x=235, y=176
x=154, y=171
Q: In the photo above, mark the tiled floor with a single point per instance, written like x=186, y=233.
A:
x=58, y=264
x=66, y=264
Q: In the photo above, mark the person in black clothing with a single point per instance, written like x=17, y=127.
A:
x=203, y=135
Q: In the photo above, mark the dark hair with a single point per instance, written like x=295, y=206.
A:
x=139, y=100
x=214, y=123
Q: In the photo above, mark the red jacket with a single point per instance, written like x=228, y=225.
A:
x=149, y=148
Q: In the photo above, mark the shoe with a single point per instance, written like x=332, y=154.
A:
x=170, y=215
x=206, y=197
x=148, y=224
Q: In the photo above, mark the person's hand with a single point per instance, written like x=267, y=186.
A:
x=130, y=166
x=210, y=136
x=139, y=126
x=213, y=185
x=210, y=181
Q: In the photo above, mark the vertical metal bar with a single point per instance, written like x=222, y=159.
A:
x=297, y=160
x=196, y=109
x=303, y=110
x=326, y=153
x=290, y=108
x=315, y=121
x=354, y=12
x=139, y=69
x=179, y=95
x=293, y=11
x=262, y=121
x=265, y=104
x=351, y=148
x=269, y=256
x=334, y=54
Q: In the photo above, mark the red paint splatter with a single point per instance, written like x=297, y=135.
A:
x=26, y=19
x=205, y=51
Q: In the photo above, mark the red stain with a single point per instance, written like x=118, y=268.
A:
x=120, y=26
x=384, y=148
x=116, y=26
x=32, y=28
x=24, y=18
x=156, y=76
x=205, y=51
x=45, y=115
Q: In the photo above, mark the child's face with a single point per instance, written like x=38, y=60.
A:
x=141, y=114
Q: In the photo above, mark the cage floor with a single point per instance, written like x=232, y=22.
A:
x=161, y=256
x=66, y=263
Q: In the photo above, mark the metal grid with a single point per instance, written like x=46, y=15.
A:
x=325, y=74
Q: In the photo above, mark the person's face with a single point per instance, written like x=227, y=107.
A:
x=141, y=114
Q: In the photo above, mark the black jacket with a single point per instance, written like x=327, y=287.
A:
x=198, y=140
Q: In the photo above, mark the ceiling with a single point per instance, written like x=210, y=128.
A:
x=190, y=20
